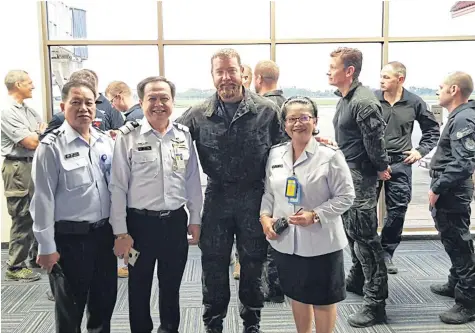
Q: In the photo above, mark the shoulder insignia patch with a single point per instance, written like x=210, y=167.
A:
x=129, y=127
x=279, y=145
x=181, y=127
x=51, y=136
x=464, y=132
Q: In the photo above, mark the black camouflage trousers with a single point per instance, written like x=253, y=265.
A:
x=270, y=276
x=361, y=224
x=397, y=193
x=228, y=212
x=452, y=219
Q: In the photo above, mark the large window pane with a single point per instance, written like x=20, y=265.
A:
x=189, y=67
x=216, y=20
x=307, y=76
x=427, y=64
x=125, y=20
x=322, y=19
x=431, y=18
x=130, y=64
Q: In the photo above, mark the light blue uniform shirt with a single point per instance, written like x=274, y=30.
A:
x=145, y=174
x=327, y=189
x=71, y=181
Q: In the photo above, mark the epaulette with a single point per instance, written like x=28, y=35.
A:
x=51, y=136
x=181, y=127
x=279, y=144
x=129, y=127
x=330, y=146
x=99, y=130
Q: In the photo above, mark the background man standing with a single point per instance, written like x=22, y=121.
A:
x=401, y=109
x=450, y=195
x=359, y=132
x=21, y=127
x=266, y=78
x=233, y=130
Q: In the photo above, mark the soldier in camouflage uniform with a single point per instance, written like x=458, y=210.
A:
x=359, y=132
x=234, y=131
x=451, y=193
x=401, y=109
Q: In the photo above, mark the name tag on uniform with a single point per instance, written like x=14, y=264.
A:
x=144, y=148
x=277, y=166
x=76, y=154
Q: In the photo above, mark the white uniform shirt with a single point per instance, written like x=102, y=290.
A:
x=327, y=188
x=145, y=174
x=70, y=178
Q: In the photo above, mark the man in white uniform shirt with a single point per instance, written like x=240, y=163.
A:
x=155, y=173
x=70, y=210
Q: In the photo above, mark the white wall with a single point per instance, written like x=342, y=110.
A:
x=20, y=43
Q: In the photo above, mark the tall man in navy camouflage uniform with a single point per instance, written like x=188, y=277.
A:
x=359, y=132
x=233, y=130
x=401, y=109
x=450, y=195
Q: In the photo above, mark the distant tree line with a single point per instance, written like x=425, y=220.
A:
x=292, y=91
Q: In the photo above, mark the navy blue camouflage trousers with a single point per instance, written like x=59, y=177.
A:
x=361, y=224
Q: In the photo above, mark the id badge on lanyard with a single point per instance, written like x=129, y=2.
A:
x=293, y=190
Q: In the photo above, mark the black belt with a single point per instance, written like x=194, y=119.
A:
x=154, y=213
x=435, y=174
x=18, y=158
x=78, y=228
x=396, y=158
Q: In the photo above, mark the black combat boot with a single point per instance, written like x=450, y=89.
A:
x=354, y=285
x=458, y=314
x=252, y=329
x=368, y=316
x=391, y=268
x=443, y=289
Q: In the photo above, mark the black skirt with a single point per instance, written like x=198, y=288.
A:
x=316, y=280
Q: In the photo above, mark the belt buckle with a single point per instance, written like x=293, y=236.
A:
x=164, y=213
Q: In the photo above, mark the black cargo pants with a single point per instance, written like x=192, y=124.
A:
x=397, y=193
x=227, y=212
x=361, y=224
x=452, y=219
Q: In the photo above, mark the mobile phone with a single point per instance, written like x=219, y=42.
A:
x=133, y=256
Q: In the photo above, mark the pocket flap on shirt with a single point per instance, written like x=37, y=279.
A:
x=74, y=164
x=142, y=157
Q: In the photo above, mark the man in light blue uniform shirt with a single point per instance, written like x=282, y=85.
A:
x=70, y=210
x=155, y=173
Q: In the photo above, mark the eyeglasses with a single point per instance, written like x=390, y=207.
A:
x=303, y=119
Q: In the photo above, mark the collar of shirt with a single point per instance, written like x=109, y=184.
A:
x=247, y=104
x=12, y=101
x=146, y=127
x=355, y=84
x=288, y=155
x=72, y=134
x=459, y=109
x=276, y=92
x=380, y=95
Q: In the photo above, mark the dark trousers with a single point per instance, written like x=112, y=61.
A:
x=397, y=193
x=18, y=189
x=227, y=213
x=162, y=241
x=271, y=275
x=361, y=224
x=452, y=219
x=90, y=268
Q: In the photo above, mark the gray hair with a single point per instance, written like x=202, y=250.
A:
x=14, y=76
